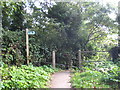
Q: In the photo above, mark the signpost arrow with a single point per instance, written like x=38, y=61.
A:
x=31, y=32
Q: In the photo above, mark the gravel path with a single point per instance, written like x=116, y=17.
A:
x=61, y=80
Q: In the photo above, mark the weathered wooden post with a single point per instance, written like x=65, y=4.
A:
x=79, y=59
x=53, y=59
x=118, y=24
x=71, y=64
x=0, y=40
x=27, y=46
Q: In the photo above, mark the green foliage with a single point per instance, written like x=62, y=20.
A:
x=25, y=76
x=13, y=48
x=112, y=77
x=88, y=79
x=65, y=27
x=102, y=66
x=64, y=14
x=13, y=15
x=107, y=72
x=118, y=63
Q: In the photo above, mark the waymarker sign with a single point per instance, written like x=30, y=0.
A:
x=31, y=32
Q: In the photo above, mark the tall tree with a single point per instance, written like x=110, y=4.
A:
x=13, y=16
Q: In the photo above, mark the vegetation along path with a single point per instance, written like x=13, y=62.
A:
x=61, y=80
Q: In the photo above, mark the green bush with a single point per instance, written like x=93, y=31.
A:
x=103, y=66
x=25, y=76
x=88, y=79
x=118, y=63
x=110, y=70
x=110, y=75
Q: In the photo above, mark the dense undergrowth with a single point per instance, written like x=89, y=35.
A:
x=25, y=76
x=104, y=74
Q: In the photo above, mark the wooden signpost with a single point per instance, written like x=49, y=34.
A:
x=27, y=43
x=27, y=46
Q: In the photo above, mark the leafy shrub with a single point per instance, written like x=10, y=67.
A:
x=88, y=79
x=103, y=66
x=118, y=63
x=110, y=70
x=13, y=49
x=25, y=76
x=113, y=77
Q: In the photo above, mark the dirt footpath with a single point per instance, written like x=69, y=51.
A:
x=61, y=80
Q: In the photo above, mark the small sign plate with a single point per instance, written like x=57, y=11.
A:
x=31, y=32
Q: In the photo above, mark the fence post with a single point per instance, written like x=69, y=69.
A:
x=53, y=59
x=79, y=59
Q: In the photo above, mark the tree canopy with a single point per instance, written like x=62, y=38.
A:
x=64, y=26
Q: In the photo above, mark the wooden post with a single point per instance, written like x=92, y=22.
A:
x=53, y=59
x=27, y=46
x=79, y=59
x=118, y=24
x=1, y=40
x=71, y=63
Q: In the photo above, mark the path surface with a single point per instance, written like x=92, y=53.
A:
x=61, y=80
